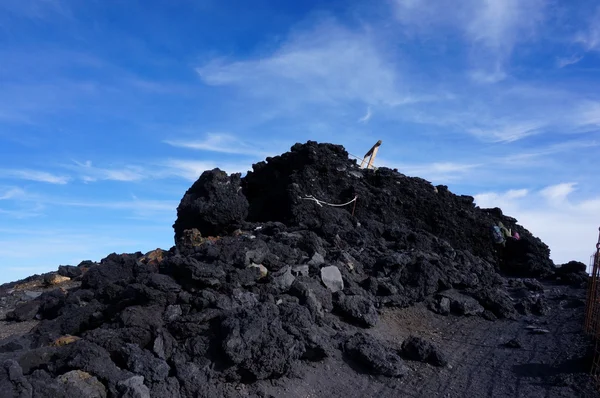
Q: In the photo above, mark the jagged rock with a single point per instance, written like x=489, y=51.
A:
x=84, y=384
x=284, y=279
x=300, y=270
x=12, y=381
x=497, y=301
x=69, y=271
x=460, y=303
x=25, y=312
x=191, y=238
x=572, y=273
x=142, y=362
x=172, y=312
x=358, y=309
x=533, y=285
x=316, y=260
x=214, y=205
x=532, y=305
x=153, y=258
x=374, y=356
x=332, y=278
x=418, y=349
x=256, y=341
x=133, y=388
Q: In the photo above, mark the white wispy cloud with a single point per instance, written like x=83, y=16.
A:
x=34, y=175
x=219, y=142
x=365, y=119
x=509, y=132
x=192, y=169
x=437, y=171
x=492, y=27
x=90, y=173
x=590, y=37
x=568, y=226
x=558, y=193
x=136, y=205
x=325, y=64
x=561, y=62
x=11, y=193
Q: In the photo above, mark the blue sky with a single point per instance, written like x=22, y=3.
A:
x=109, y=110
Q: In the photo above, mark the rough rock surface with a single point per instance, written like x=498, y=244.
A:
x=417, y=349
x=241, y=298
x=374, y=356
x=213, y=204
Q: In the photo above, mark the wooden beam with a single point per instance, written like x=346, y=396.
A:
x=371, y=155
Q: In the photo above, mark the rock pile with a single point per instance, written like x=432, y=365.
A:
x=265, y=273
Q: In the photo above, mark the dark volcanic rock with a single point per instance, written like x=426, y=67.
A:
x=12, y=381
x=374, y=356
x=572, y=273
x=258, y=267
x=358, y=309
x=213, y=204
x=25, y=312
x=256, y=341
x=69, y=271
x=418, y=349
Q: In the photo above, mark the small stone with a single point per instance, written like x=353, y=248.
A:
x=64, y=340
x=300, y=270
x=332, y=278
x=513, y=343
x=356, y=174
x=263, y=270
x=284, y=280
x=316, y=260
x=55, y=279
x=31, y=294
x=540, y=331
x=444, y=306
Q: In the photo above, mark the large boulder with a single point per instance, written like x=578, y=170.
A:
x=214, y=205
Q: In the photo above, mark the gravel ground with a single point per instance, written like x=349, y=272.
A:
x=547, y=365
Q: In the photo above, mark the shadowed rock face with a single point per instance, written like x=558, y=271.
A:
x=280, y=280
x=214, y=205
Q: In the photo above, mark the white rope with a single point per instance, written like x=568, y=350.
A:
x=322, y=202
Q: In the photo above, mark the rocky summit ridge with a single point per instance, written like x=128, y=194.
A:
x=265, y=275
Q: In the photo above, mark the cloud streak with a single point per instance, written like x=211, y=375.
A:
x=34, y=175
x=221, y=143
x=365, y=119
x=327, y=64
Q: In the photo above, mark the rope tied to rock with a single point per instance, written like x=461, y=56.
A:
x=322, y=202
